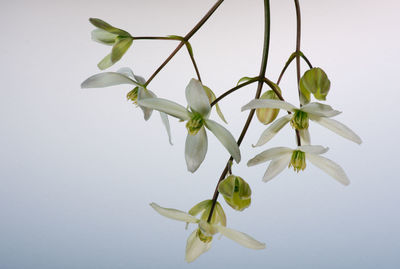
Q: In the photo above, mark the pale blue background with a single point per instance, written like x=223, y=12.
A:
x=78, y=168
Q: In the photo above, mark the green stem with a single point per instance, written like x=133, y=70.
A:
x=267, y=31
x=186, y=38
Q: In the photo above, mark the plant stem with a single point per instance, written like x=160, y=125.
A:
x=298, y=39
x=234, y=89
x=185, y=39
x=267, y=31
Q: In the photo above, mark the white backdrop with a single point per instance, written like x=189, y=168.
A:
x=78, y=168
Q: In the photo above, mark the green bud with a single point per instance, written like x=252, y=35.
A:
x=299, y=120
x=315, y=81
x=236, y=192
x=298, y=161
x=195, y=124
x=267, y=115
x=133, y=95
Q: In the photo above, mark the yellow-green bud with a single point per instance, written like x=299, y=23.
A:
x=315, y=81
x=267, y=115
x=299, y=120
x=298, y=161
x=236, y=192
x=194, y=124
x=133, y=95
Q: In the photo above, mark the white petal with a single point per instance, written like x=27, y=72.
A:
x=305, y=137
x=195, y=247
x=103, y=37
x=174, y=214
x=269, y=154
x=195, y=149
x=330, y=167
x=225, y=137
x=313, y=149
x=241, y=238
x=145, y=94
x=268, y=103
x=107, y=79
x=276, y=166
x=320, y=110
x=165, y=121
x=166, y=106
x=197, y=98
x=338, y=128
x=272, y=130
x=127, y=72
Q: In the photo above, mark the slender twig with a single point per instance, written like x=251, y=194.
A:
x=155, y=38
x=185, y=39
x=250, y=81
x=194, y=63
x=263, y=69
x=306, y=60
x=298, y=40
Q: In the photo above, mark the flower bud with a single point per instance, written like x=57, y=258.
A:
x=267, y=115
x=298, y=161
x=236, y=192
x=315, y=81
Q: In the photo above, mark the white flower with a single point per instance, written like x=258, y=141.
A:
x=317, y=112
x=200, y=240
x=126, y=76
x=197, y=117
x=282, y=157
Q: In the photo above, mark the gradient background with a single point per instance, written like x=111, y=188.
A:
x=78, y=168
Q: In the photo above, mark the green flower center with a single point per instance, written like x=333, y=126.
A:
x=298, y=161
x=194, y=124
x=203, y=237
x=133, y=95
x=299, y=120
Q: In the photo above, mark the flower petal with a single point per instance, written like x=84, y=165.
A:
x=269, y=154
x=313, y=149
x=195, y=149
x=107, y=27
x=197, y=98
x=225, y=137
x=120, y=48
x=195, y=247
x=165, y=121
x=272, y=130
x=276, y=166
x=105, y=63
x=269, y=103
x=106, y=79
x=174, y=214
x=319, y=109
x=241, y=238
x=166, y=106
x=145, y=94
x=103, y=37
x=330, y=167
x=305, y=137
x=338, y=128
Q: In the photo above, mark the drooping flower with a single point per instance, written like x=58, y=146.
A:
x=197, y=119
x=282, y=157
x=299, y=119
x=111, y=36
x=140, y=92
x=200, y=239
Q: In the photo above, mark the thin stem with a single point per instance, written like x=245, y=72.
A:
x=185, y=39
x=267, y=31
x=298, y=40
x=155, y=38
x=194, y=63
x=306, y=60
x=233, y=90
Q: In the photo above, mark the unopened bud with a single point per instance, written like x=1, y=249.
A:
x=236, y=192
x=315, y=81
x=267, y=115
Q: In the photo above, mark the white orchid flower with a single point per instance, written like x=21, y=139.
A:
x=320, y=113
x=197, y=118
x=282, y=157
x=126, y=76
x=200, y=240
